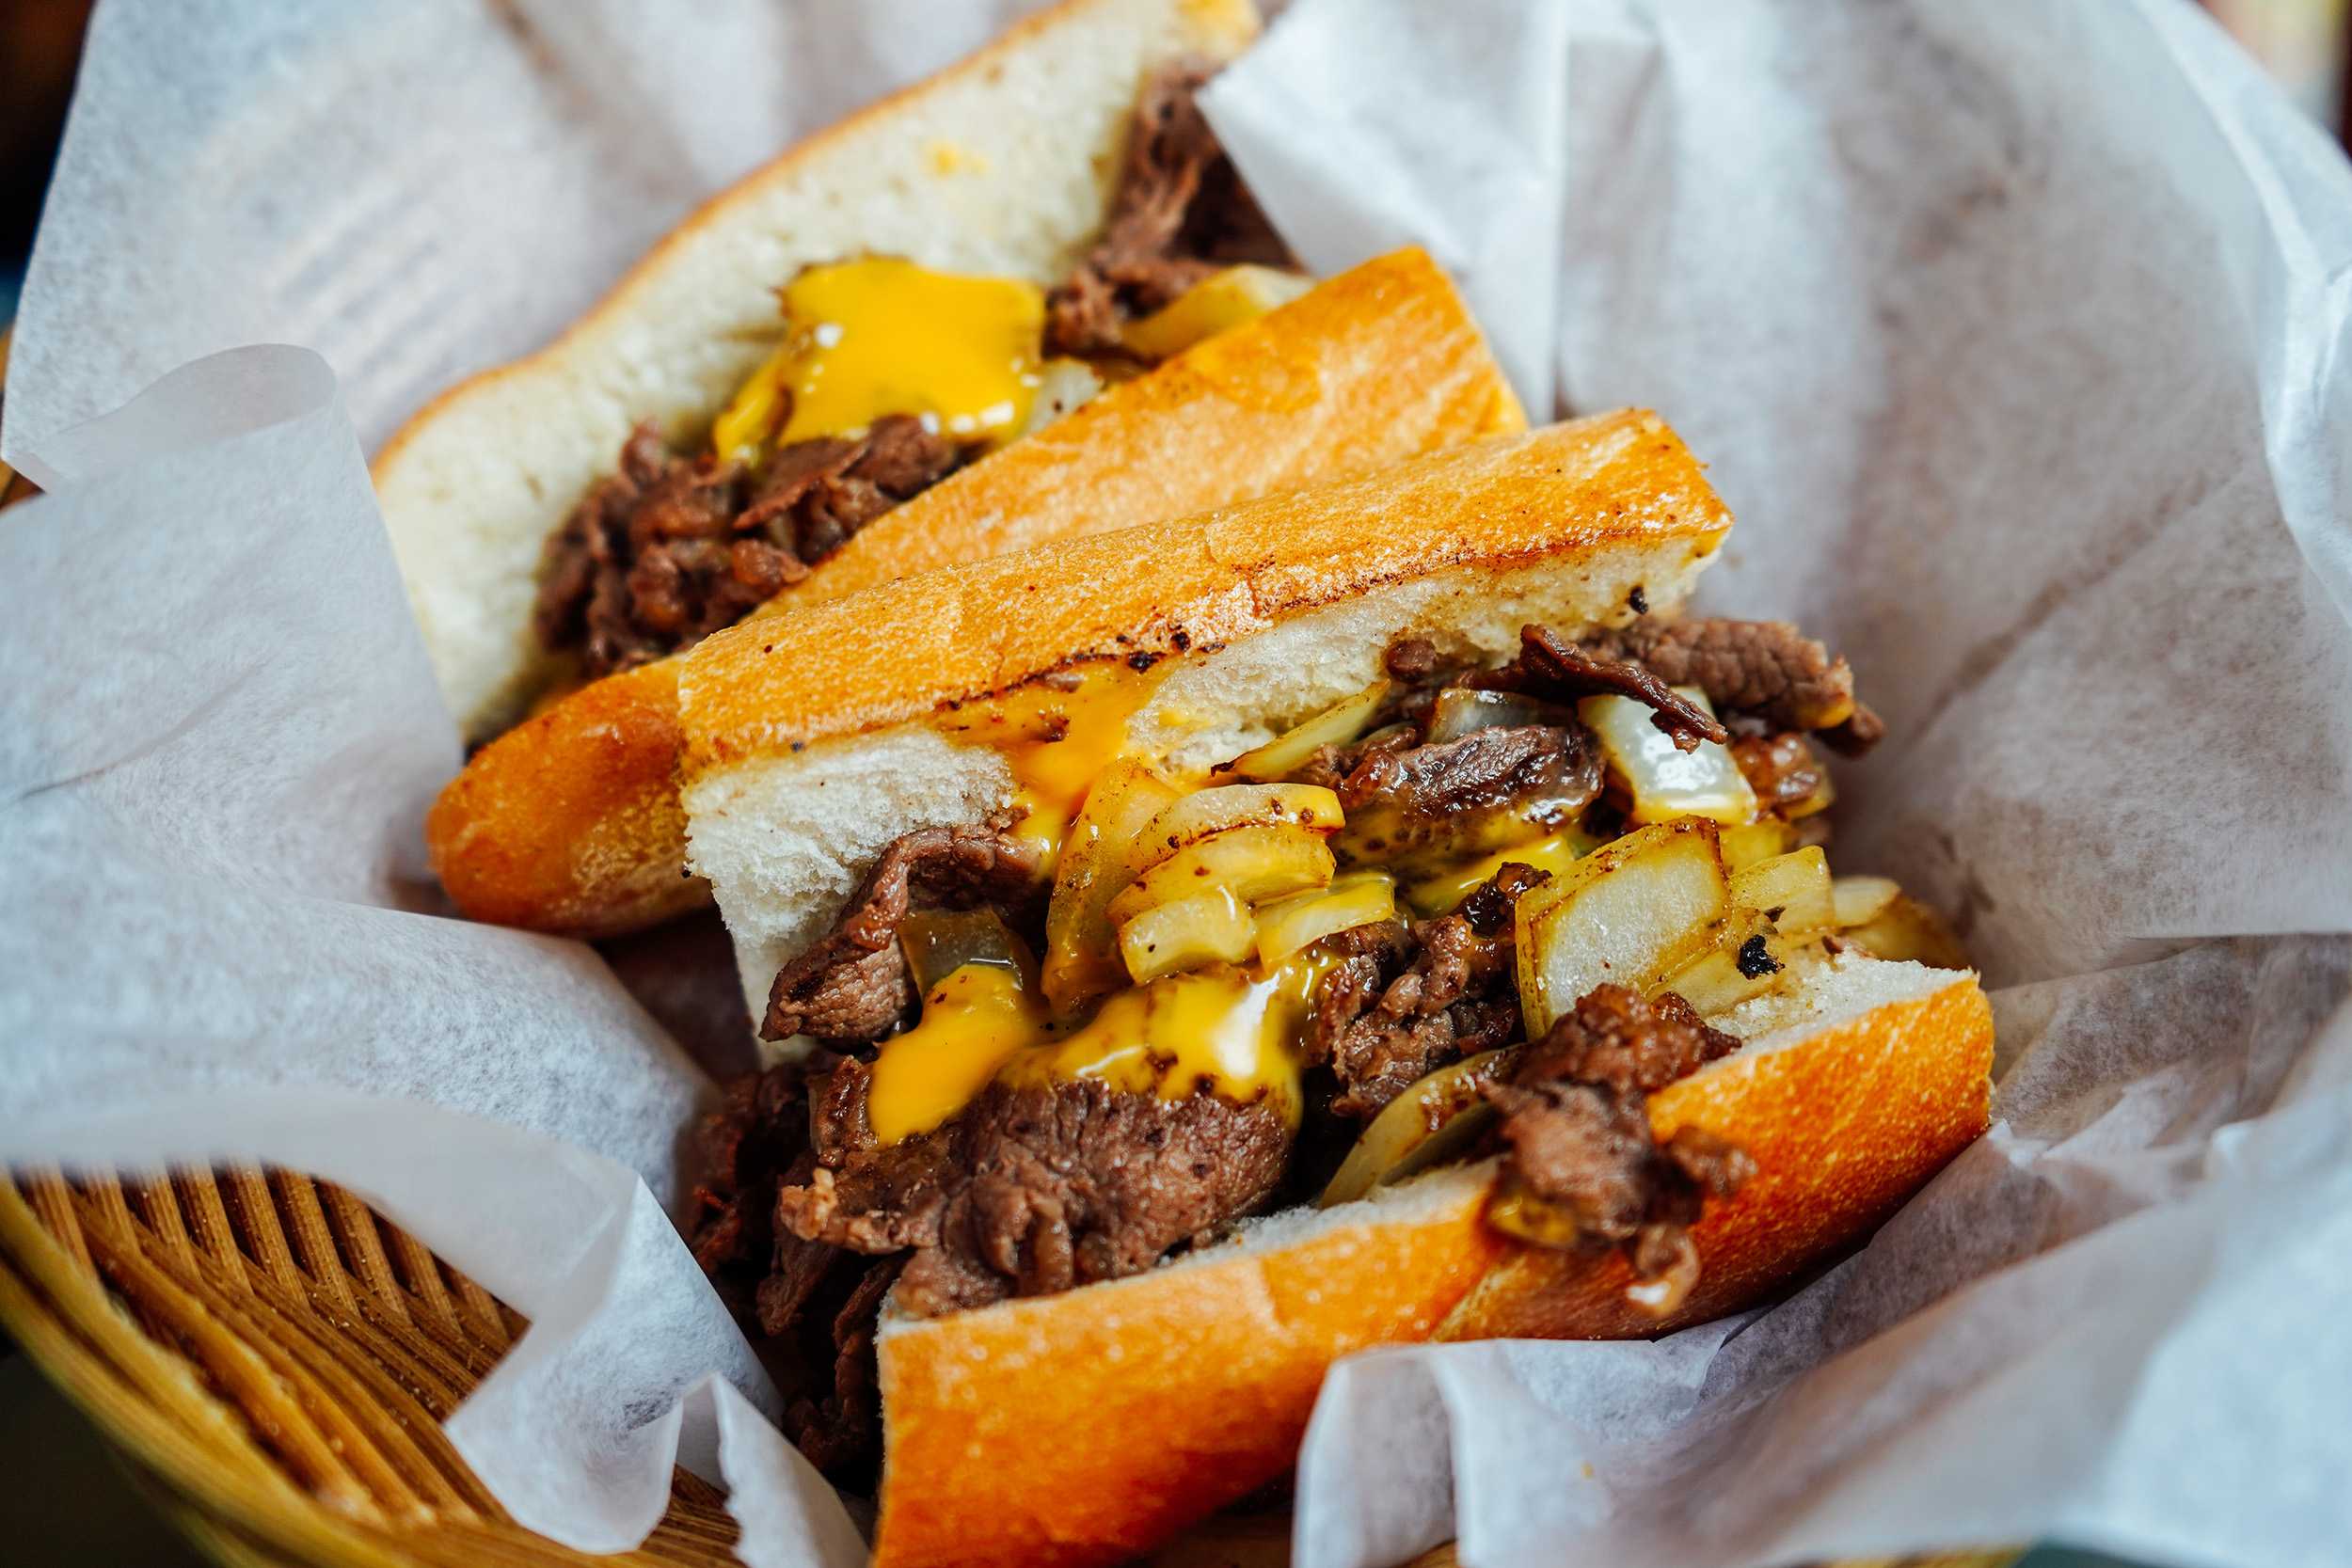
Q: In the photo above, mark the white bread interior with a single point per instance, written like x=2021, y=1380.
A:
x=1002, y=164
x=1831, y=992
x=786, y=838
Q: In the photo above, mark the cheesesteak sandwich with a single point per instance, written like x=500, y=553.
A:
x=1196, y=953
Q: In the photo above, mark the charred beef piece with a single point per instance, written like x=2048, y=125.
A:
x=668, y=549
x=1402, y=799
x=1414, y=658
x=841, y=1433
x=866, y=1199
x=755, y=1144
x=1781, y=768
x=855, y=985
x=819, y=1298
x=1402, y=1004
x=1180, y=213
x=1763, y=670
x=1034, y=1190
x=1077, y=1182
x=1558, y=671
x=759, y=1134
x=1576, y=1121
x=772, y=1280
x=817, y=494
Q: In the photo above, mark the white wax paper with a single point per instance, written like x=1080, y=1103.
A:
x=2013, y=336
x=2011, y=332
x=220, y=734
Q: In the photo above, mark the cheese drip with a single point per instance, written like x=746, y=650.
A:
x=1212, y=1030
x=1218, y=1031
x=883, y=336
x=972, y=1021
x=1057, y=738
x=1233, y=1032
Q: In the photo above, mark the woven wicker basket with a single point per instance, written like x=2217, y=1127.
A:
x=275, y=1361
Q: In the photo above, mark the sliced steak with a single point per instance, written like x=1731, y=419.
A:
x=1557, y=670
x=1413, y=659
x=1035, y=1190
x=841, y=1433
x=817, y=494
x=759, y=1132
x=1181, y=213
x=1404, y=801
x=1763, y=670
x=1399, y=1006
x=667, y=550
x=1576, y=1122
x=862, y=1197
x=855, y=985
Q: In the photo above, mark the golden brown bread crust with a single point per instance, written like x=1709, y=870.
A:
x=1378, y=365
x=570, y=821
x=1843, y=1129
x=1138, y=1405
x=898, y=650
x=1088, y=1427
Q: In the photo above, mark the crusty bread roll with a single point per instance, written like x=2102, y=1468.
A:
x=806, y=749
x=1002, y=164
x=570, y=822
x=1850, y=1092
x=1139, y=1404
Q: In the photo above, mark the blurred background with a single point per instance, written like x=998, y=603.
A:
x=2303, y=43
x=63, y=1504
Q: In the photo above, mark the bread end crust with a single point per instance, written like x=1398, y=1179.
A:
x=570, y=822
x=1141, y=1405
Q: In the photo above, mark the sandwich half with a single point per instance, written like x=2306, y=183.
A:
x=1195, y=953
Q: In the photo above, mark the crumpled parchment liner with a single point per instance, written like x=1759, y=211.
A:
x=2011, y=334
x=220, y=735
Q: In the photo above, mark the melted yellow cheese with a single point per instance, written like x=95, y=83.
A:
x=1443, y=894
x=883, y=336
x=1218, y=303
x=972, y=1021
x=1212, y=1031
x=1057, y=741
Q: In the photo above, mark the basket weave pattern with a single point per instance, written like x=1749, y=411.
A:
x=276, y=1360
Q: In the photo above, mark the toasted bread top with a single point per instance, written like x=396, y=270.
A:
x=903, y=649
x=1377, y=365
